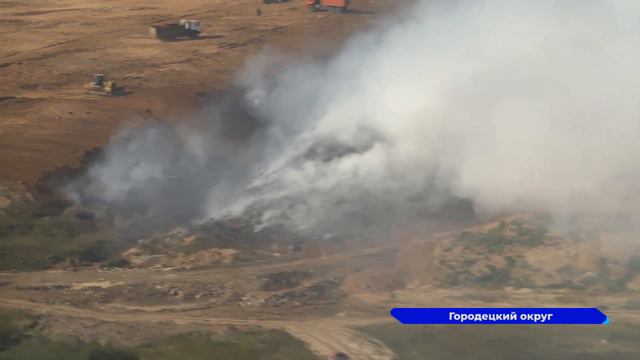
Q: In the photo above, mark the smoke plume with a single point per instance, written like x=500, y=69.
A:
x=505, y=105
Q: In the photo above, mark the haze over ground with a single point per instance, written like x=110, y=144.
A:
x=376, y=156
x=515, y=106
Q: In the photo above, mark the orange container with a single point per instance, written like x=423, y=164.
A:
x=332, y=3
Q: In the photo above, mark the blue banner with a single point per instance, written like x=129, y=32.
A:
x=555, y=316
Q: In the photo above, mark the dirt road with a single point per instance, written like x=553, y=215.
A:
x=324, y=334
x=324, y=316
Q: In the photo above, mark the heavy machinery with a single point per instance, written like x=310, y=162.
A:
x=331, y=5
x=101, y=86
x=172, y=31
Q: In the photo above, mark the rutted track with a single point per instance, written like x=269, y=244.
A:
x=323, y=336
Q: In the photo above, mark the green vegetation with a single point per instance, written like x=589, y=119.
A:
x=487, y=342
x=494, y=277
x=266, y=345
x=108, y=353
x=478, y=254
x=632, y=270
x=14, y=328
x=19, y=341
x=249, y=345
x=505, y=235
x=40, y=348
x=35, y=237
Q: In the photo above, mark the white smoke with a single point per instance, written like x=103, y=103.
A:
x=514, y=105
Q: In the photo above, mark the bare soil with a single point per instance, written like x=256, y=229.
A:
x=322, y=300
x=50, y=49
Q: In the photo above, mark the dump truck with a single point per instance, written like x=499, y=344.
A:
x=184, y=28
x=330, y=5
x=102, y=86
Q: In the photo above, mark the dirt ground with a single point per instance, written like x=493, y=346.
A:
x=112, y=306
x=322, y=298
x=50, y=48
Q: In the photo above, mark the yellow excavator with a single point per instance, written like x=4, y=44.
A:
x=101, y=86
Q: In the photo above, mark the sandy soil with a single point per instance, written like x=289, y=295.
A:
x=68, y=299
x=324, y=309
x=50, y=48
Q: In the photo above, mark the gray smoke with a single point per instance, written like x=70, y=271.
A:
x=513, y=105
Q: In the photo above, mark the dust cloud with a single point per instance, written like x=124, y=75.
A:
x=498, y=106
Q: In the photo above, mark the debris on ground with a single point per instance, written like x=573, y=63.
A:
x=284, y=280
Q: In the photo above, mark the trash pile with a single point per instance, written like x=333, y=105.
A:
x=324, y=292
x=284, y=280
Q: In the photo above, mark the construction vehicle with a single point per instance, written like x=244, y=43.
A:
x=330, y=5
x=184, y=28
x=101, y=86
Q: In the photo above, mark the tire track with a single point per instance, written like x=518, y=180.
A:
x=323, y=336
